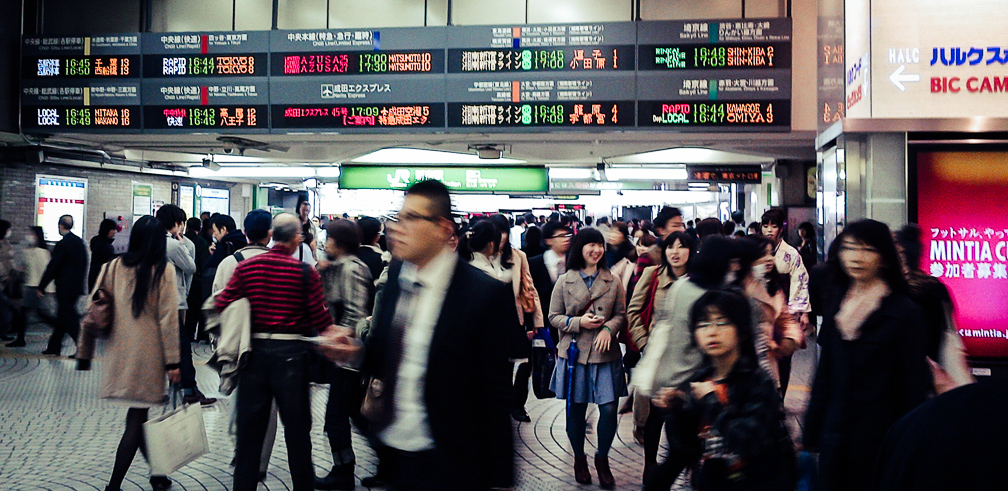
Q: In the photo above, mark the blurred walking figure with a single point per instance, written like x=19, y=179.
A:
x=727, y=421
x=142, y=342
x=589, y=308
x=67, y=269
x=33, y=260
x=101, y=249
x=872, y=370
x=8, y=274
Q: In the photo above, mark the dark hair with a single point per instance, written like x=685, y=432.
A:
x=193, y=225
x=775, y=216
x=709, y=226
x=809, y=230
x=604, y=220
x=437, y=193
x=257, y=225
x=207, y=217
x=533, y=239
x=4, y=227
x=519, y=220
x=622, y=227
x=575, y=257
x=345, y=234
x=549, y=229
x=711, y=262
x=875, y=234
x=751, y=249
x=302, y=199
x=506, y=253
x=728, y=226
x=105, y=227
x=686, y=240
x=479, y=234
x=65, y=221
x=754, y=226
x=369, y=229
x=736, y=308
x=646, y=239
x=908, y=238
x=667, y=213
x=589, y=220
x=170, y=215
x=146, y=255
x=224, y=222
x=39, y=237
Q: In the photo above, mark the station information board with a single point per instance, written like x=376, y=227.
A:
x=206, y=81
x=733, y=75
x=81, y=84
x=677, y=76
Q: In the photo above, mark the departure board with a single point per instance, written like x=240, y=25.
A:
x=81, y=84
x=206, y=81
x=358, y=80
x=548, y=76
x=732, y=75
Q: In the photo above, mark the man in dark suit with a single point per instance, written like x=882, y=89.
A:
x=548, y=266
x=68, y=268
x=369, y=252
x=438, y=353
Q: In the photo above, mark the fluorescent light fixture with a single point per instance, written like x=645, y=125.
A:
x=330, y=172
x=570, y=173
x=311, y=182
x=699, y=186
x=688, y=155
x=254, y=172
x=419, y=156
x=646, y=174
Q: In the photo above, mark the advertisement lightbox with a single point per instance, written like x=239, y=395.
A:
x=964, y=230
x=486, y=180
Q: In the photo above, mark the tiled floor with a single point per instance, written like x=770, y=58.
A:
x=55, y=434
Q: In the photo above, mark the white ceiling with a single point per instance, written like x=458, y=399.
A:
x=580, y=149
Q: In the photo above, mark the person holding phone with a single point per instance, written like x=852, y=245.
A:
x=588, y=307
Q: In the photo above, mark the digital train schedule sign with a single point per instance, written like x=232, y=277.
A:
x=964, y=231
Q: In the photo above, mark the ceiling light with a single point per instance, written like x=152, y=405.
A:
x=646, y=174
x=689, y=156
x=569, y=173
x=419, y=156
x=254, y=172
x=331, y=172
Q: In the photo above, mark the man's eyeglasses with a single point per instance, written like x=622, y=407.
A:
x=410, y=217
x=562, y=236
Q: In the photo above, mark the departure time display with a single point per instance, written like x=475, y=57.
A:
x=68, y=118
x=82, y=66
x=602, y=58
x=157, y=66
x=715, y=113
x=715, y=56
x=324, y=116
x=550, y=114
x=206, y=117
x=358, y=62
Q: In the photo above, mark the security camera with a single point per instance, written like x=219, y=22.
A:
x=228, y=149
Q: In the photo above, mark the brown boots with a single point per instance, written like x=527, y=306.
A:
x=605, y=477
x=581, y=474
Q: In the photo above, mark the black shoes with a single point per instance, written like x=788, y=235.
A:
x=375, y=481
x=160, y=483
x=520, y=415
x=51, y=353
x=341, y=478
x=17, y=343
x=198, y=396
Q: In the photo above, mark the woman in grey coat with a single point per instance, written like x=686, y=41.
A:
x=588, y=307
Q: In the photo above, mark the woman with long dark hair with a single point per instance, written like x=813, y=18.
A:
x=872, y=369
x=588, y=307
x=727, y=421
x=142, y=342
x=533, y=241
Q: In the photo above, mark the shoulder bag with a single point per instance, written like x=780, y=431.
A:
x=101, y=309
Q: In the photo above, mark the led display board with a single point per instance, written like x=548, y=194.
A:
x=81, y=84
x=457, y=179
x=733, y=75
x=964, y=231
x=679, y=76
x=739, y=174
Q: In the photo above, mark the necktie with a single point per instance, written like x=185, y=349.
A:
x=409, y=292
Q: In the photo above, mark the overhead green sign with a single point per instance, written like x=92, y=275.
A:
x=463, y=179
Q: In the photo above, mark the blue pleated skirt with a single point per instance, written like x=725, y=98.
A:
x=597, y=383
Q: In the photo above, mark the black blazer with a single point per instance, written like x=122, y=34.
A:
x=373, y=260
x=467, y=390
x=544, y=286
x=68, y=268
x=862, y=387
x=101, y=253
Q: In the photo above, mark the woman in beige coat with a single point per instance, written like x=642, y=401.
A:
x=142, y=342
x=588, y=307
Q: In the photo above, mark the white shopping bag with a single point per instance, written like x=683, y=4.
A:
x=175, y=439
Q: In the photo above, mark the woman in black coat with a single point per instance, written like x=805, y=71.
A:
x=872, y=370
x=101, y=249
x=727, y=422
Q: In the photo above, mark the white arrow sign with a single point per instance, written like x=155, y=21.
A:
x=897, y=78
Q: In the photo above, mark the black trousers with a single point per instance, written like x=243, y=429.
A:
x=276, y=370
x=67, y=322
x=521, y=385
x=185, y=354
x=345, y=396
x=784, y=369
x=416, y=471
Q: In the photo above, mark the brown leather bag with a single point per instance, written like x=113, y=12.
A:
x=101, y=310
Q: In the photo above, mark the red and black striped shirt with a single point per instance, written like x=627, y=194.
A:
x=283, y=298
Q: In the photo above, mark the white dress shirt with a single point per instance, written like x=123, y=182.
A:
x=410, y=428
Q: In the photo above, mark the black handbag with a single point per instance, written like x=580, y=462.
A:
x=543, y=363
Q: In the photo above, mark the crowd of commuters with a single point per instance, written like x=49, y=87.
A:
x=424, y=335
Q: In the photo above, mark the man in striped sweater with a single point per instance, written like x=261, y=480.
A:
x=287, y=304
